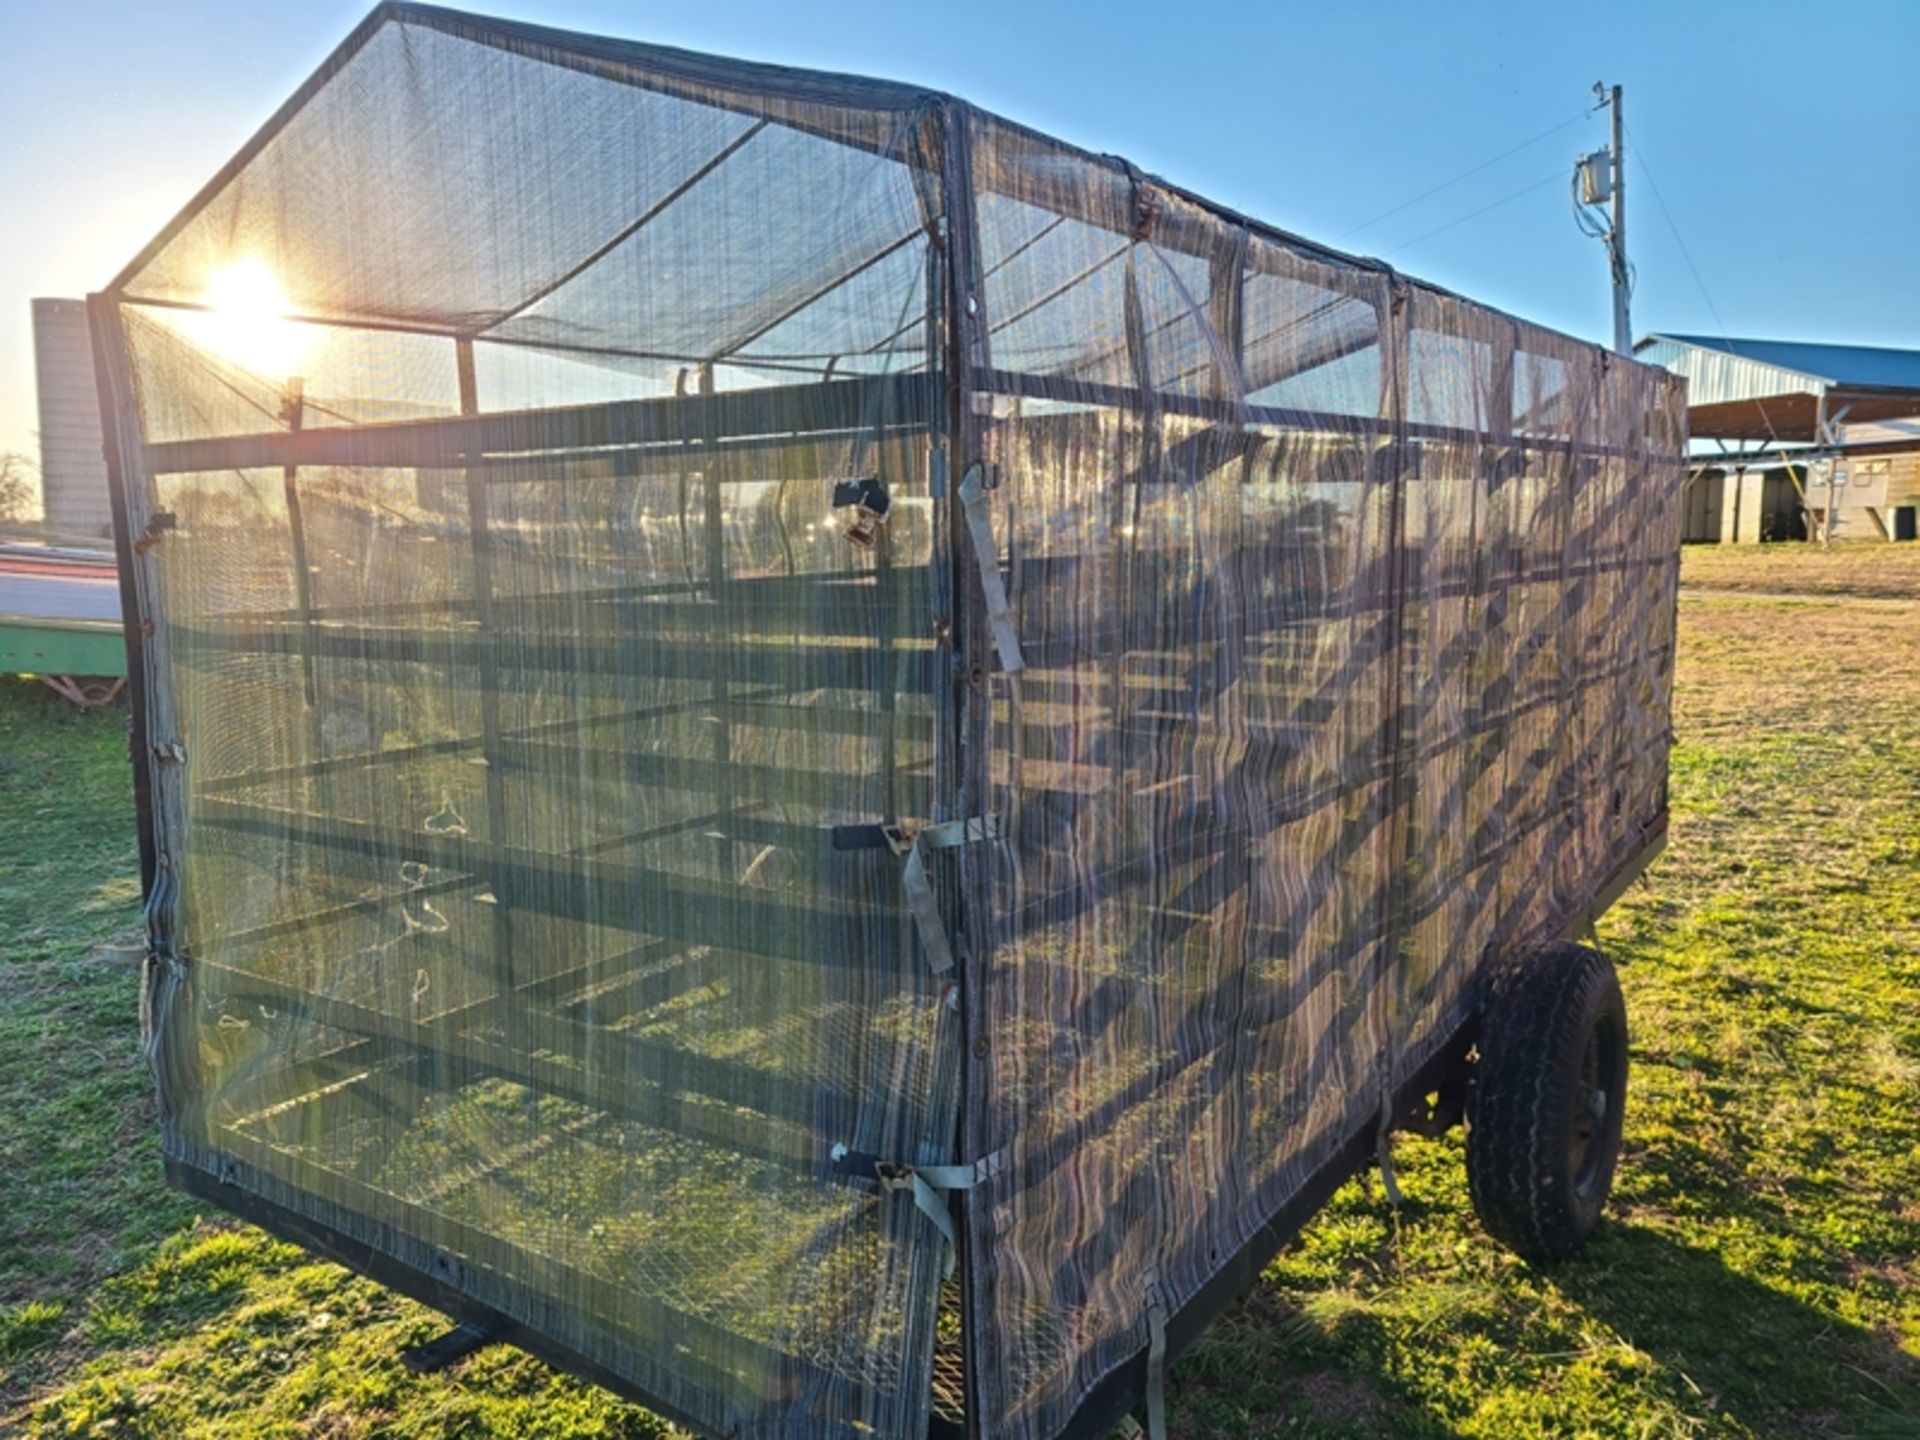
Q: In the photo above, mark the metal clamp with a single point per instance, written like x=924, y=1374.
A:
x=1383, y=1149
x=872, y=837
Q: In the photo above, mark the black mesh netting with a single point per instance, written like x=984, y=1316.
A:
x=561, y=472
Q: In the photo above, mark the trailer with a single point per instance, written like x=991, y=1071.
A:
x=60, y=620
x=829, y=761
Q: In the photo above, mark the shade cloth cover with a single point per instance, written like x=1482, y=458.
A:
x=534, y=762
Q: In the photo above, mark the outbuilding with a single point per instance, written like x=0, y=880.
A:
x=1803, y=431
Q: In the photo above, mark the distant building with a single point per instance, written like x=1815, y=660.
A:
x=1801, y=429
x=73, y=467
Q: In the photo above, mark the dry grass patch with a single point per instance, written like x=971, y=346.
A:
x=1859, y=568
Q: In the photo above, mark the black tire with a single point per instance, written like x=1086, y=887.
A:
x=1548, y=1095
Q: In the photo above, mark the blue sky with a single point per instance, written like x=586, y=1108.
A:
x=1781, y=134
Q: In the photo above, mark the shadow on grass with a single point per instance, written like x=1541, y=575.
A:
x=1768, y=1359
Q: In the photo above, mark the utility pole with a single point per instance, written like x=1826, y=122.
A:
x=1602, y=177
x=1617, y=248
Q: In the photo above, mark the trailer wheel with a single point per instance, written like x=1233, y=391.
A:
x=1548, y=1095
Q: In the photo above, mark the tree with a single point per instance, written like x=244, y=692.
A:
x=19, y=489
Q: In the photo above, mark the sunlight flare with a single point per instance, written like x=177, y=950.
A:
x=246, y=321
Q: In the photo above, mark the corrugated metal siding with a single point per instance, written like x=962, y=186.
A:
x=1904, y=487
x=1715, y=377
x=73, y=467
x=1841, y=366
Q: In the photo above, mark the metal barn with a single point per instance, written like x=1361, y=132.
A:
x=827, y=759
x=1813, y=440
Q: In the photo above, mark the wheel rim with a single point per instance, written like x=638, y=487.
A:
x=1595, y=1098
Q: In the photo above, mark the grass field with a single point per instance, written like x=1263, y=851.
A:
x=1870, y=570
x=1760, y=1275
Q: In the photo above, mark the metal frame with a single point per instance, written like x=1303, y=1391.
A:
x=122, y=442
x=1102, y=1409
x=1097, y=1414
x=420, y=1283
x=540, y=879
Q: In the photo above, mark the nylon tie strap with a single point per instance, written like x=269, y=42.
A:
x=1156, y=1359
x=1384, y=1148
x=973, y=499
x=928, y=1184
x=921, y=900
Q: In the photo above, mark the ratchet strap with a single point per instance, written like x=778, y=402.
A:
x=919, y=885
x=914, y=845
x=928, y=1184
x=973, y=500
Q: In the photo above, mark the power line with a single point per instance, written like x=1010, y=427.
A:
x=1640, y=154
x=1463, y=175
x=1654, y=185
x=1476, y=214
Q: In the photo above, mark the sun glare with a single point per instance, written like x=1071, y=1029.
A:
x=246, y=321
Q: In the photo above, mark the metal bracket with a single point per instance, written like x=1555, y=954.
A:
x=1383, y=1147
x=867, y=492
x=1156, y=1308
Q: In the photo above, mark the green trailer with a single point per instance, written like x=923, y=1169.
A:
x=59, y=620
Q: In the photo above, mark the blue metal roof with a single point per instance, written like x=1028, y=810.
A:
x=1839, y=366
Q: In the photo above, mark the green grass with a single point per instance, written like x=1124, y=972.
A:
x=77, y=1192
x=1760, y=1274
x=126, y=1310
